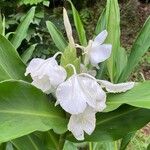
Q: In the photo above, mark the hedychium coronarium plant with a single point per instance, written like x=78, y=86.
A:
x=85, y=96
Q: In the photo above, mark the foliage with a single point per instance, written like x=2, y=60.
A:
x=25, y=109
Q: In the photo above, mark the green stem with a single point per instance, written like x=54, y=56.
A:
x=90, y=146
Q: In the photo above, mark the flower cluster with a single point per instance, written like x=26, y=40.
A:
x=80, y=95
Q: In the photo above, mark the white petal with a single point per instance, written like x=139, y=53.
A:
x=93, y=92
x=100, y=38
x=34, y=65
x=117, y=88
x=70, y=96
x=57, y=75
x=43, y=84
x=82, y=122
x=68, y=28
x=100, y=53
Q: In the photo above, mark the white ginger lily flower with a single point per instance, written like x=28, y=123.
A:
x=82, y=122
x=79, y=91
x=97, y=51
x=68, y=28
x=46, y=74
x=116, y=88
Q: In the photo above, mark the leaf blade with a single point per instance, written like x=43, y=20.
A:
x=57, y=36
x=21, y=31
x=33, y=109
x=78, y=25
x=11, y=65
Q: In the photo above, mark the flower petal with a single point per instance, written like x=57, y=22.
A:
x=68, y=28
x=100, y=53
x=93, y=91
x=70, y=96
x=43, y=84
x=100, y=38
x=117, y=88
x=82, y=122
x=34, y=65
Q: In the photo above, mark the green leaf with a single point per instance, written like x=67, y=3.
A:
x=27, y=54
x=139, y=96
x=31, y=2
x=126, y=139
x=49, y=138
x=21, y=31
x=104, y=145
x=115, y=125
x=78, y=25
x=25, y=109
x=101, y=24
x=113, y=28
x=140, y=47
x=3, y=146
x=57, y=37
x=70, y=146
x=28, y=142
x=121, y=61
x=70, y=57
x=11, y=65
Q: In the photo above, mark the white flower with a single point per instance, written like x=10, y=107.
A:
x=116, y=88
x=68, y=28
x=97, y=51
x=82, y=122
x=46, y=74
x=79, y=91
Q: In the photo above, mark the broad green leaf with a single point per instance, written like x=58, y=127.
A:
x=25, y=109
x=139, y=96
x=27, y=54
x=11, y=65
x=113, y=28
x=70, y=57
x=78, y=25
x=125, y=140
x=21, y=31
x=101, y=23
x=57, y=36
x=140, y=47
x=148, y=147
x=28, y=142
x=114, y=125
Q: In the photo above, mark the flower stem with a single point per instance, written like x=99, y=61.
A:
x=90, y=146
